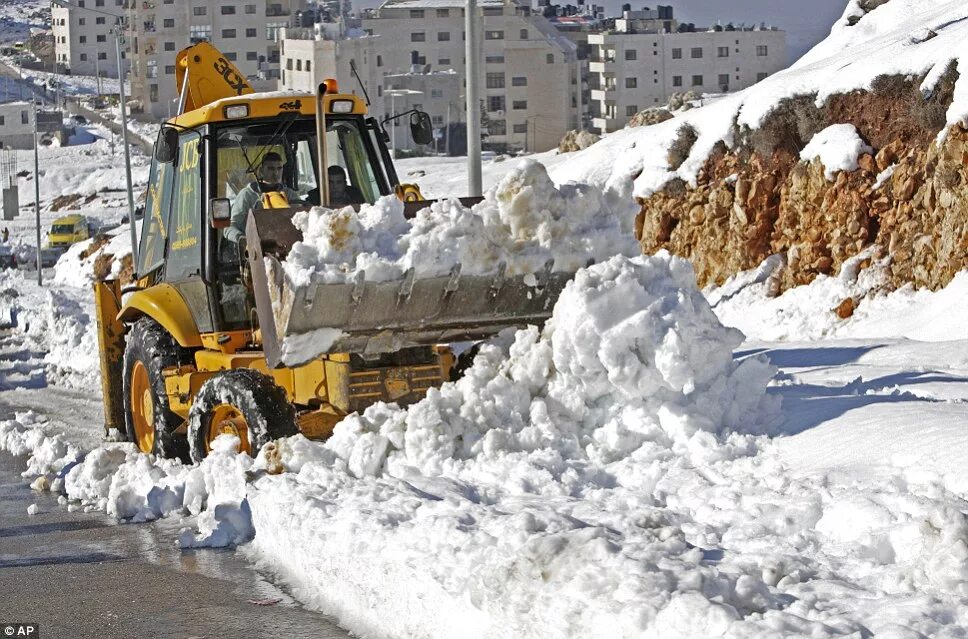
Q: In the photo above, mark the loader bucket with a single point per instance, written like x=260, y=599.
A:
x=299, y=324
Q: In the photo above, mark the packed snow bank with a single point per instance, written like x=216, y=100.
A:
x=524, y=221
x=76, y=266
x=809, y=312
x=838, y=147
x=898, y=38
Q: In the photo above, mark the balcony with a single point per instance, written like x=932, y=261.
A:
x=276, y=10
x=603, y=95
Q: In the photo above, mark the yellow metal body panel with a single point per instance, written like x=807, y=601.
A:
x=110, y=338
x=165, y=305
x=266, y=105
x=228, y=341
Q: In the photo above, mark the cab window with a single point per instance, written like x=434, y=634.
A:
x=154, y=230
x=185, y=223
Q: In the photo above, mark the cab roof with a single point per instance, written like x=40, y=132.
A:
x=267, y=105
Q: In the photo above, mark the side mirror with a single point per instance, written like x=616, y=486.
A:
x=421, y=128
x=167, y=145
x=220, y=212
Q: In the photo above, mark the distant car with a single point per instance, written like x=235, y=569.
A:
x=80, y=119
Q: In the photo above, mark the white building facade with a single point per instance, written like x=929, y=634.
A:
x=246, y=31
x=530, y=73
x=634, y=70
x=83, y=42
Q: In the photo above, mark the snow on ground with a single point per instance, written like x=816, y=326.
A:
x=899, y=37
x=838, y=147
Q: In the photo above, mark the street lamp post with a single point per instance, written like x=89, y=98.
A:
x=472, y=53
x=118, y=37
x=40, y=264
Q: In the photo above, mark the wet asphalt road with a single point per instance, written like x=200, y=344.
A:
x=80, y=575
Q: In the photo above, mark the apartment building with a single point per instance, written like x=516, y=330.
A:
x=246, y=31
x=648, y=57
x=83, y=43
x=530, y=73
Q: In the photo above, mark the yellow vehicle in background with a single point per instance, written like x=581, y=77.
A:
x=197, y=347
x=68, y=230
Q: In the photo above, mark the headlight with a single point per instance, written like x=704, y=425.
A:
x=235, y=111
x=341, y=106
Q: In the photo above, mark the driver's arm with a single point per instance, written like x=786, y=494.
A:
x=244, y=201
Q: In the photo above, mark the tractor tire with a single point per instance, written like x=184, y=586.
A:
x=241, y=402
x=149, y=422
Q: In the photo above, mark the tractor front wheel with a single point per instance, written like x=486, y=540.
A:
x=241, y=402
x=150, y=424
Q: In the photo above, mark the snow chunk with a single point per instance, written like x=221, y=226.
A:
x=838, y=147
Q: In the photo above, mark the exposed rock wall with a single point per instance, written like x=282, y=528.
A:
x=758, y=199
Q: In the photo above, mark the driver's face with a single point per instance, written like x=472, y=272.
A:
x=337, y=184
x=271, y=172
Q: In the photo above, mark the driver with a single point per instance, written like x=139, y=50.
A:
x=269, y=176
x=341, y=192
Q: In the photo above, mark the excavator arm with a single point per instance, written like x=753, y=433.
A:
x=204, y=75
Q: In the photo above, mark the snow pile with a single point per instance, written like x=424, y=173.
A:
x=524, y=221
x=838, y=147
x=900, y=37
x=534, y=496
x=131, y=486
x=76, y=266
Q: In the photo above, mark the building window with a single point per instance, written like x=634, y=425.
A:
x=631, y=83
x=24, y=118
x=289, y=64
x=80, y=21
x=298, y=65
x=169, y=69
x=497, y=127
x=83, y=57
x=152, y=93
x=104, y=56
x=82, y=39
x=724, y=81
x=102, y=38
x=272, y=29
x=677, y=80
x=416, y=13
x=494, y=59
x=518, y=105
x=228, y=33
x=419, y=36
x=493, y=35
x=550, y=58
x=251, y=55
x=524, y=34
x=152, y=69
x=169, y=46
x=696, y=53
x=495, y=103
x=199, y=11
x=443, y=13
x=250, y=9
x=630, y=54
x=436, y=93
x=443, y=61
x=493, y=11
x=98, y=20
x=519, y=81
x=228, y=10
x=494, y=80
x=631, y=110
x=762, y=51
x=722, y=52
x=677, y=54
x=309, y=65
x=761, y=76
x=443, y=36
x=379, y=61
x=168, y=23
x=697, y=81
x=520, y=128
x=199, y=33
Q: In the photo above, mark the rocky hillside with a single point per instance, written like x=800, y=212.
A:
x=736, y=181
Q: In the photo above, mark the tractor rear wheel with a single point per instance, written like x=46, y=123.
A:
x=149, y=422
x=241, y=402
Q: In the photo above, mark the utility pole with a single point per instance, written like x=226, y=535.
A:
x=447, y=133
x=40, y=268
x=97, y=75
x=118, y=36
x=472, y=68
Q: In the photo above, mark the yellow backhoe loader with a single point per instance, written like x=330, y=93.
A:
x=195, y=347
